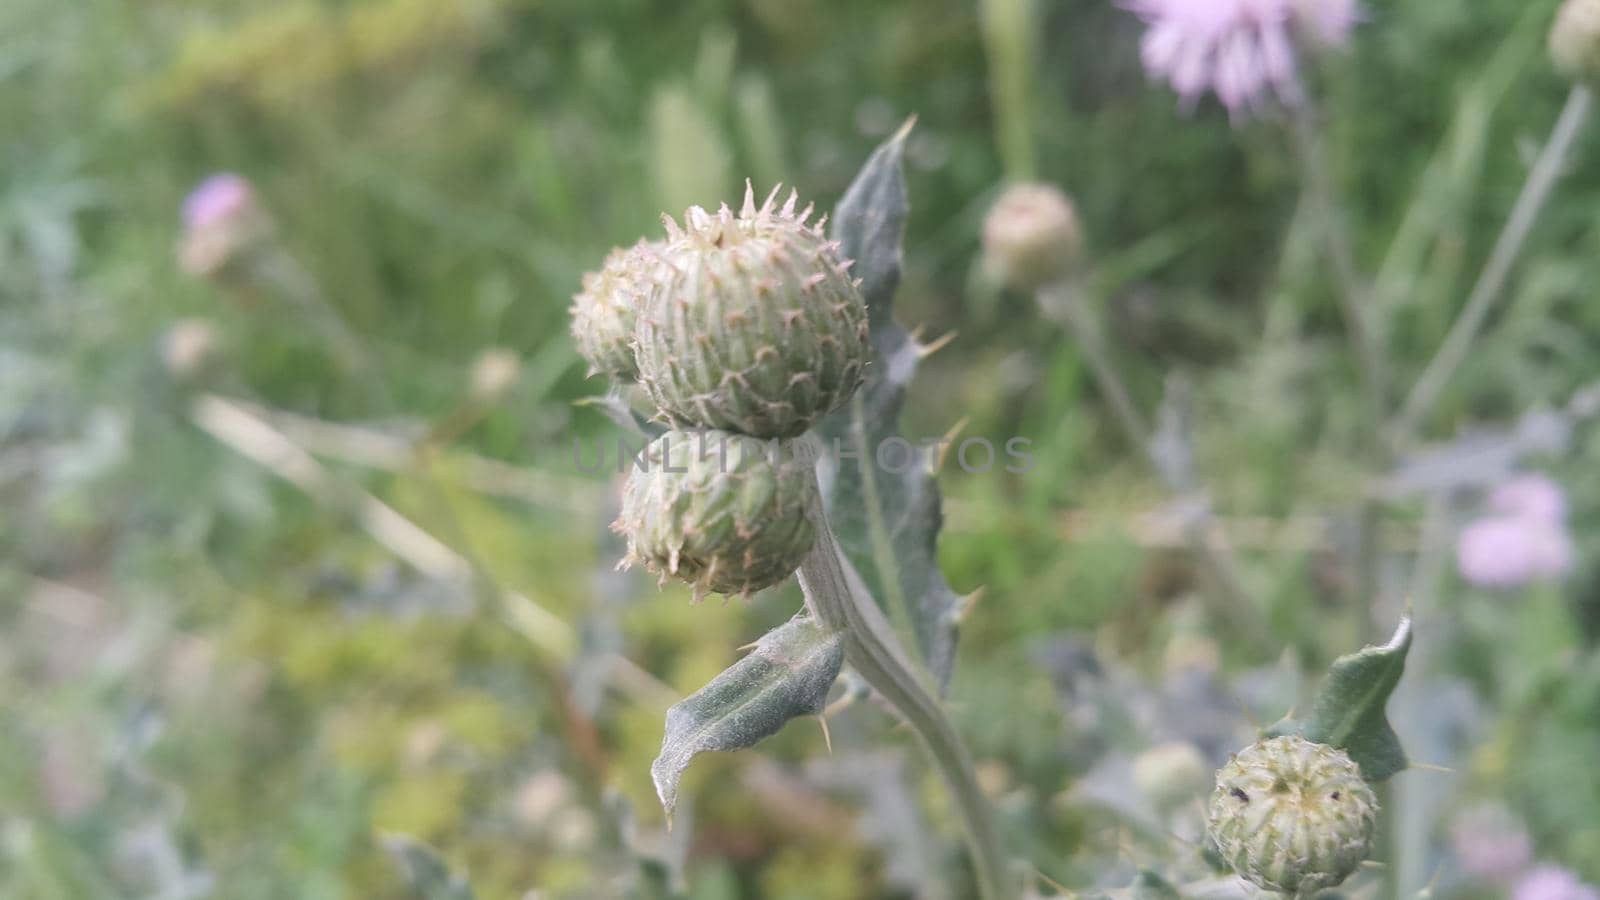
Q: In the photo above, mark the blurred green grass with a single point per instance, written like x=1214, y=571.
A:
x=202, y=660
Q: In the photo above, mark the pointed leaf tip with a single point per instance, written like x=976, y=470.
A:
x=786, y=676
x=1349, y=711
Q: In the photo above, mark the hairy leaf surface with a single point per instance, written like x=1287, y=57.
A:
x=787, y=675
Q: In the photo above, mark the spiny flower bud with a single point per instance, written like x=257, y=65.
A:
x=1575, y=40
x=1031, y=237
x=605, y=311
x=757, y=328
x=723, y=512
x=1293, y=816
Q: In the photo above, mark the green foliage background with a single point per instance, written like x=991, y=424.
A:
x=209, y=678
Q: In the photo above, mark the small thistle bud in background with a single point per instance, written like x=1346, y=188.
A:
x=605, y=311
x=724, y=512
x=757, y=328
x=1291, y=815
x=1031, y=237
x=222, y=223
x=188, y=348
x=1171, y=774
x=493, y=372
x=1575, y=40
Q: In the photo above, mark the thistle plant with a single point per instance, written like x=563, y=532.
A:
x=761, y=337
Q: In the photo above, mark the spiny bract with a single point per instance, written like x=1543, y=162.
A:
x=605, y=311
x=723, y=512
x=758, y=327
x=1291, y=815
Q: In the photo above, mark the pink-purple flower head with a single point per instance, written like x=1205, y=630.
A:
x=1523, y=539
x=1553, y=883
x=221, y=221
x=1492, y=845
x=1532, y=496
x=217, y=199
x=1243, y=51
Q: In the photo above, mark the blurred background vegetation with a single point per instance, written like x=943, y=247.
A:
x=214, y=683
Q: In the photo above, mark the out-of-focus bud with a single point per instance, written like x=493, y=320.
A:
x=1031, y=237
x=1575, y=40
x=1492, y=845
x=1553, y=883
x=222, y=223
x=494, y=372
x=188, y=348
x=1171, y=774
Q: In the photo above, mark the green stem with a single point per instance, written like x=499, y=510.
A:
x=1355, y=301
x=1542, y=178
x=837, y=598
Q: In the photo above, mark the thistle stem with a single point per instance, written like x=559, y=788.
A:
x=1065, y=303
x=1536, y=190
x=836, y=597
x=1354, y=295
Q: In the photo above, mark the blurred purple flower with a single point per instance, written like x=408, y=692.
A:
x=221, y=220
x=1531, y=496
x=1240, y=50
x=1553, y=883
x=1492, y=845
x=1510, y=551
x=216, y=200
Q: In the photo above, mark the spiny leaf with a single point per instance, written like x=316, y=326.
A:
x=787, y=675
x=887, y=511
x=1349, y=708
x=424, y=870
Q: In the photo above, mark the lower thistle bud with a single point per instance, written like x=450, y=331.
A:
x=724, y=512
x=1291, y=815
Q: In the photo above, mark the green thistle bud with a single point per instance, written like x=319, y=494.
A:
x=757, y=328
x=605, y=311
x=1031, y=237
x=724, y=512
x=1293, y=816
x=1575, y=40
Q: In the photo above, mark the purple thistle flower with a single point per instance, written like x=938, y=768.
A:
x=216, y=200
x=1241, y=50
x=1511, y=551
x=1553, y=883
x=221, y=221
x=1492, y=845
